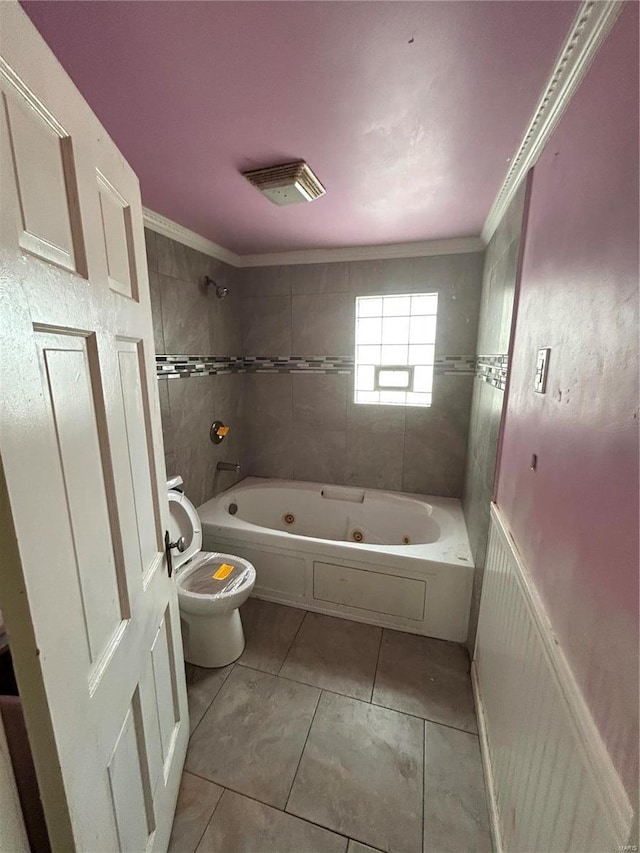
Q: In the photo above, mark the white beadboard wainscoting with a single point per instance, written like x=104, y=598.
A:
x=552, y=786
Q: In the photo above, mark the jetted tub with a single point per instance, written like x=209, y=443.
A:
x=391, y=559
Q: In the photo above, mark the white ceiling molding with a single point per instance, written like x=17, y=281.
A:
x=455, y=246
x=168, y=228
x=589, y=29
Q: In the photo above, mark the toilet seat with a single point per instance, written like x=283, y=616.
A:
x=184, y=521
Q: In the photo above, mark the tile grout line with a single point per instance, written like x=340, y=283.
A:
x=293, y=781
x=375, y=672
x=357, y=699
x=424, y=773
x=426, y=719
x=295, y=637
x=267, y=805
x=213, y=699
x=215, y=809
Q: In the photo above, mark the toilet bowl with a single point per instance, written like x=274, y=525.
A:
x=211, y=587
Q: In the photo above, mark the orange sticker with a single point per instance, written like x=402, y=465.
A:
x=224, y=570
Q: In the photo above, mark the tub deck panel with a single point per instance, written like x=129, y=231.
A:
x=365, y=590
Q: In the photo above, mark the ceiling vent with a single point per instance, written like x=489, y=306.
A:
x=290, y=183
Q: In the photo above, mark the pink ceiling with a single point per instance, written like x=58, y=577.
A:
x=407, y=111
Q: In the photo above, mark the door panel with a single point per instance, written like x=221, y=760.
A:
x=42, y=155
x=164, y=676
x=118, y=238
x=150, y=724
x=139, y=441
x=127, y=780
x=72, y=385
x=87, y=600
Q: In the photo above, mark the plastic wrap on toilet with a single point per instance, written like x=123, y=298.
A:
x=218, y=576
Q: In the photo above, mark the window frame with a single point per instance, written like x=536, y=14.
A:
x=420, y=397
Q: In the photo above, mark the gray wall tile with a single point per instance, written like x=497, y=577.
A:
x=436, y=438
x=376, y=419
x=225, y=323
x=165, y=416
x=156, y=312
x=319, y=278
x=265, y=281
x=456, y=279
x=266, y=325
x=225, y=314
x=320, y=401
x=192, y=412
x=185, y=316
x=388, y=276
x=182, y=262
x=374, y=460
x=189, y=319
x=319, y=455
x=323, y=324
x=268, y=399
x=268, y=453
x=152, y=253
x=494, y=329
x=195, y=403
x=170, y=463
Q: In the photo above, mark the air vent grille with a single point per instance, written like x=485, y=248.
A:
x=289, y=183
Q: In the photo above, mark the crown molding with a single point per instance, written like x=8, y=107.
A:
x=589, y=29
x=423, y=249
x=168, y=228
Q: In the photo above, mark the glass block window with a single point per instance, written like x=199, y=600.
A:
x=395, y=348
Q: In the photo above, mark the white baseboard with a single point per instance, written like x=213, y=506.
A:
x=492, y=803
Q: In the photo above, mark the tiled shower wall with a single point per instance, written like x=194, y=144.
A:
x=188, y=319
x=494, y=330
x=304, y=425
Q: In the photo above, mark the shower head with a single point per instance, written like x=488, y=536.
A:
x=221, y=290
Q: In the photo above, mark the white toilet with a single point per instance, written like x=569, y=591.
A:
x=211, y=588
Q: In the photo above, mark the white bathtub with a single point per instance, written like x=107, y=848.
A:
x=411, y=568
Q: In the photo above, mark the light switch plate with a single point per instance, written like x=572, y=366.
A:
x=542, y=368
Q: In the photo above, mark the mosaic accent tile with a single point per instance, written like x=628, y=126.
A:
x=323, y=364
x=184, y=366
x=454, y=364
x=493, y=369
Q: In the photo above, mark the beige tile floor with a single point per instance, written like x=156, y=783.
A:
x=330, y=736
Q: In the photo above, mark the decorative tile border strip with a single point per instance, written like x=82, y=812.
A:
x=458, y=365
x=323, y=364
x=184, y=366
x=493, y=370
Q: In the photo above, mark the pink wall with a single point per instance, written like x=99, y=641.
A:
x=575, y=519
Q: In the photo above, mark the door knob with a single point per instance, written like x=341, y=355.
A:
x=180, y=544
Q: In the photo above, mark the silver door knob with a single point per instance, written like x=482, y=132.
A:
x=180, y=544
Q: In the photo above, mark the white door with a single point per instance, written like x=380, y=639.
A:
x=91, y=612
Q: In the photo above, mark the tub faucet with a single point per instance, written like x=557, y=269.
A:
x=228, y=466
